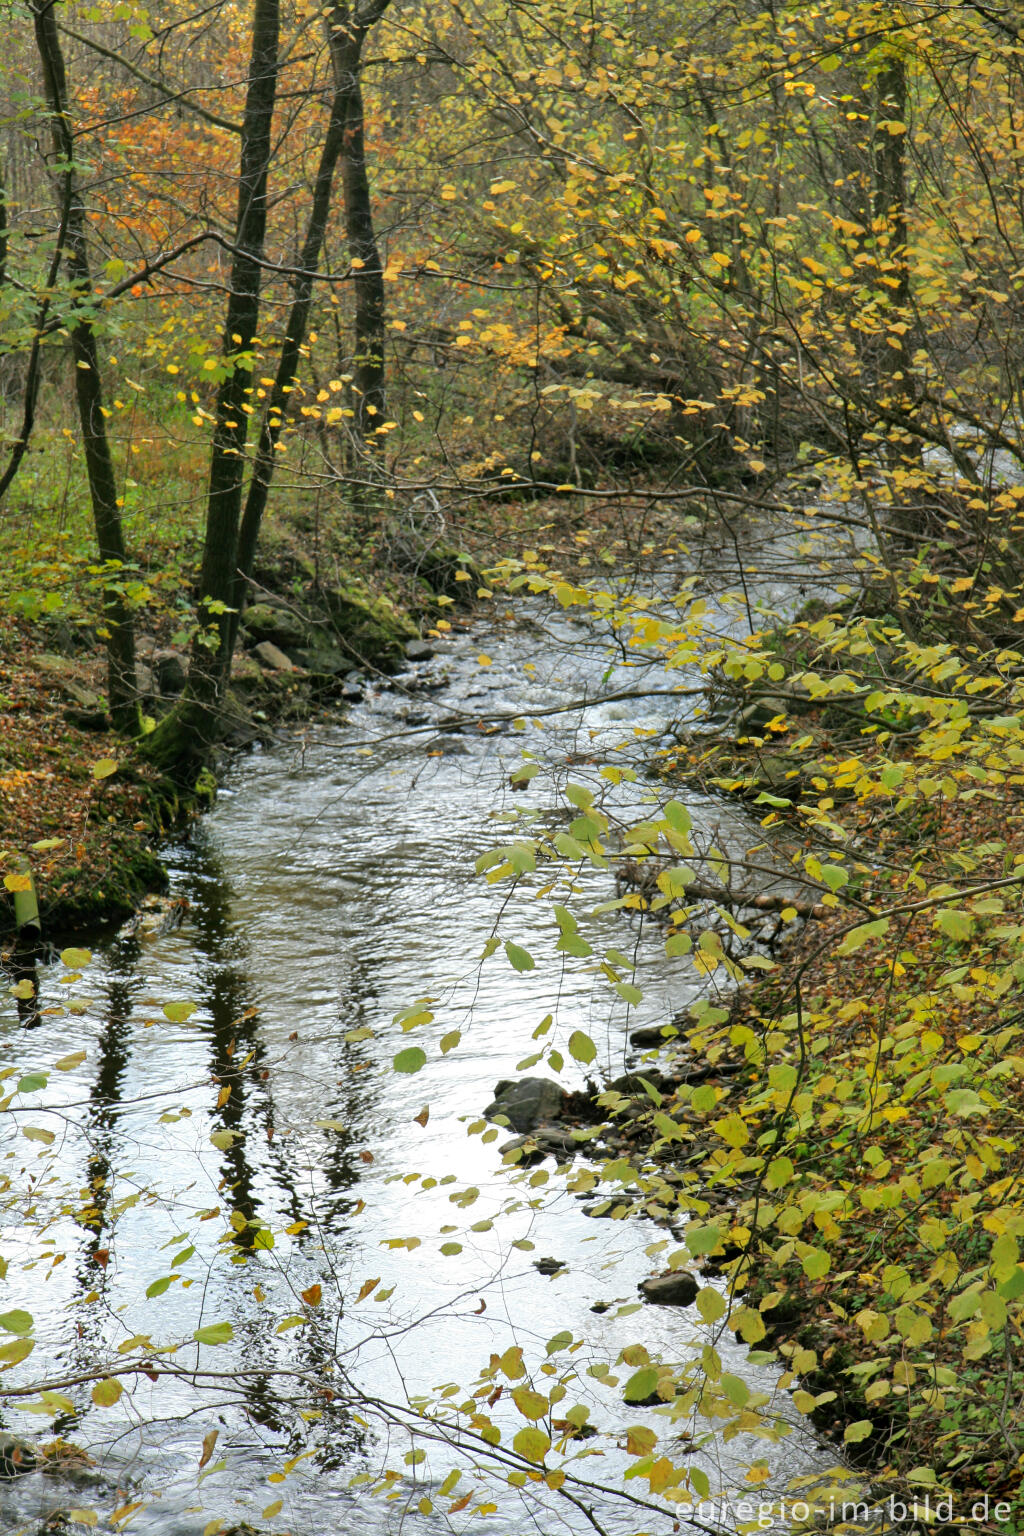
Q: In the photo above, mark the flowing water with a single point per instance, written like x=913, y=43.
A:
x=332, y=888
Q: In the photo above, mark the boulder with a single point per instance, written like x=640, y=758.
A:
x=449, y=746
x=85, y=698
x=653, y=1035
x=635, y=1082
x=323, y=660
x=372, y=629
x=273, y=658
x=541, y=1144
x=678, y=1288
x=170, y=671
x=526, y=1101
x=87, y=719
x=246, y=672
x=58, y=667
x=280, y=626
x=419, y=650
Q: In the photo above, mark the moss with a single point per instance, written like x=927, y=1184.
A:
x=82, y=897
x=371, y=629
x=205, y=788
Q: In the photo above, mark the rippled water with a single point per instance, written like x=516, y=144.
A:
x=331, y=888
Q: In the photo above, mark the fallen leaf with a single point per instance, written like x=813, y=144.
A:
x=209, y=1441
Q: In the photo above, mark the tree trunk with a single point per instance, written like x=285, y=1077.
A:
x=183, y=740
x=895, y=349
x=291, y=349
x=120, y=634
x=366, y=392
x=211, y=655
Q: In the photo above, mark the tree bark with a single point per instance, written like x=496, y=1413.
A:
x=346, y=35
x=367, y=390
x=182, y=742
x=120, y=633
x=211, y=655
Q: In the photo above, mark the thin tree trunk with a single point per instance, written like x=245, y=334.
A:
x=367, y=390
x=210, y=664
x=895, y=349
x=182, y=742
x=347, y=36
x=120, y=634
x=291, y=349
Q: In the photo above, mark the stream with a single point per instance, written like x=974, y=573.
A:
x=331, y=889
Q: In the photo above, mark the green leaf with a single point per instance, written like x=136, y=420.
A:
x=106, y=1392
x=32, y=1082
x=853, y=1433
x=224, y=1139
x=954, y=924
x=581, y=1047
x=214, y=1333
x=16, y=1322
x=14, y=1352
x=410, y=1060
x=711, y=1304
x=735, y=1389
x=860, y=935
x=159, y=1286
x=701, y=1240
x=641, y=1384
x=678, y=817
x=104, y=768
x=532, y=1444
x=816, y=1264
x=519, y=959
x=780, y=1171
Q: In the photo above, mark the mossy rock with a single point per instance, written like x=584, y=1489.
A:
x=447, y=572
x=84, y=897
x=372, y=630
x=281, y=626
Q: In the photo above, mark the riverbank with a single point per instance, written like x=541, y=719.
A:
x=864, y=1169
x=321, y=621
x=75, y=799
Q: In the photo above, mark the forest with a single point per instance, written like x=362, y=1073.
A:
x=511, y=750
